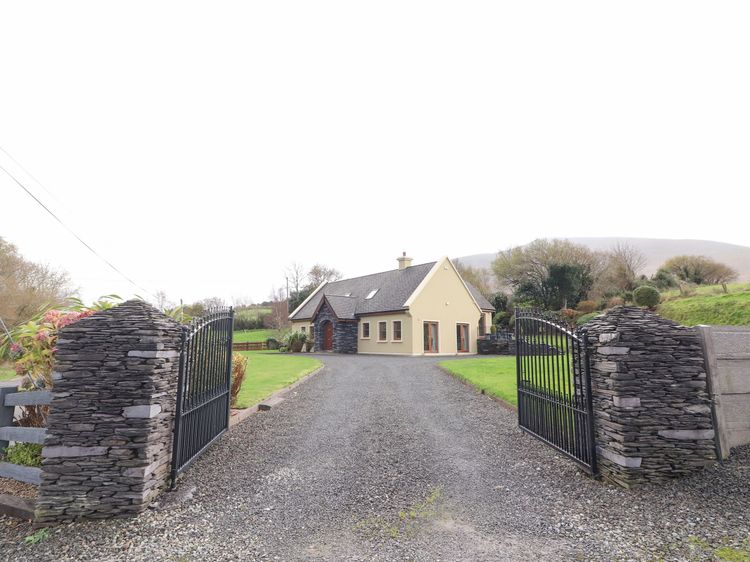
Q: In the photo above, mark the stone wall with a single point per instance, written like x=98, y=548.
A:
x=727, y=350
x=108, y=447
x=345, y=332
x=652, y=410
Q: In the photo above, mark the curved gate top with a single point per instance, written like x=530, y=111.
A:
x=203, y=386
x=554, y=385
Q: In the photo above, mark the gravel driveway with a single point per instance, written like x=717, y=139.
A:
x=383, y=458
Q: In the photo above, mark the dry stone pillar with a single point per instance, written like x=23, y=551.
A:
x=108, y=447
x=652, y=411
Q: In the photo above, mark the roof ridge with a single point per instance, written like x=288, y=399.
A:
x=381, y=272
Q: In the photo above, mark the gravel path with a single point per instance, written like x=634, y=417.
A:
x=382, y=458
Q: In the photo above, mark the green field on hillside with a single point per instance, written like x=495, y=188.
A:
x=703, y=290
x=255, y=335
x=254, y=312
x=709, y=308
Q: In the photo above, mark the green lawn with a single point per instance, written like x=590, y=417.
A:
x=6, y=372
x=268, y=372
x=708, y=308
x=255, y=335
x=493, y=375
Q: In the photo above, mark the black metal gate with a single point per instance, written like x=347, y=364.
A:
x=203, y=389
x=554, y=385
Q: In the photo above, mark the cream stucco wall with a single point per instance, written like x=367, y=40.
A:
x=444, y=299
x=372, y=345
x=487, y=322
x=298, y=324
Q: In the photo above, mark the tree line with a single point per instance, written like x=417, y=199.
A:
x=560, y=275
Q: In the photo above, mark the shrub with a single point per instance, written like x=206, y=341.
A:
x=615, y=301
x=239, y=370
x=272, y=343
x=502, y=318
x=295, y=341
x=583, y=318
x=568, y=313
x=27, y=454
x=646, y=296
x=587, y=306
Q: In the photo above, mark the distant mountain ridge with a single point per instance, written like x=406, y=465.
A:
x=656, y=250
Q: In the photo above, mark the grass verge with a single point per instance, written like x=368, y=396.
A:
x=495, y=376
x=268, y=372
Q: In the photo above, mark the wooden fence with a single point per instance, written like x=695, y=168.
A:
x=10, y=397
x=250, y=346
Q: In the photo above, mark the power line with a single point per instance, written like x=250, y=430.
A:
x=29, y=174
x=71, y=231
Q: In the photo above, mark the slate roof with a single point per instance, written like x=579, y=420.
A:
x=483, y=303
x=394, y=287
x=343, y=307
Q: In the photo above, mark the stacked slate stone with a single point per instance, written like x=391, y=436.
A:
x=652, y=410
x=109, y=435
x=345, y=332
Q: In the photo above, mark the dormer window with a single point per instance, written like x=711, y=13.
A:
x=372, y=293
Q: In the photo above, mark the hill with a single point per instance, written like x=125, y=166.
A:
x=708, y=305
x=657, y=251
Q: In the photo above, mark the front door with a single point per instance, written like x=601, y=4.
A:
x=430, y=337
x=328, y=336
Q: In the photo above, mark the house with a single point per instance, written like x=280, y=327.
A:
x=413, y=310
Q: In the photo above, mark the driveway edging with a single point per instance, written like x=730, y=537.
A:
x=238, y=416
x=504, y=403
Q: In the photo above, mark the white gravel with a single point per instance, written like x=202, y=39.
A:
x=383, y=458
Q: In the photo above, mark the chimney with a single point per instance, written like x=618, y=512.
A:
x=404, y=262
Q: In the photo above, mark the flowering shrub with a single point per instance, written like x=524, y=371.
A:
x=34, y=346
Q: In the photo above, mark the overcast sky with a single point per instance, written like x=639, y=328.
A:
x=202, y=147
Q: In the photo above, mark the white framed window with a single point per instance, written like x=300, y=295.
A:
x=303, y=329
x=371, y=294
x=396, y=330
x=365, y=330
x=382, y=331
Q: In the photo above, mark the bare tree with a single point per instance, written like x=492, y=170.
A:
x=242, y=302
x=26, y=287
x=295, y=274
x=278, y=319
x=624, y=264
x=480, y=277
x=162, y=301
x=320, y=273
x=700, y=270
x=528, y=270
